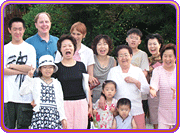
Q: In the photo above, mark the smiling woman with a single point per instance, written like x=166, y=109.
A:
x=164, y=80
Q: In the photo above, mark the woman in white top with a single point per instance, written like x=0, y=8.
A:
x=83, y=53
x=131, y=82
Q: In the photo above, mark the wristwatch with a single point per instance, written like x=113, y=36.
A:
x=8, y=66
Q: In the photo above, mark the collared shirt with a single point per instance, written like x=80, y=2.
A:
x=86, y=55
x=42, y=47
x=130, y=90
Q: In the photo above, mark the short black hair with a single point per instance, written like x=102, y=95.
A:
x=16, y=19
x=124, y=101
x=154, y=36
x=123, y=47
x=134, y=31
x=64, y=37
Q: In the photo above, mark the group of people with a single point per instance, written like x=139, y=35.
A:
x=47, y=79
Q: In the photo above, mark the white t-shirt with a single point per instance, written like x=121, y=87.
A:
x=86, y=54
x=130, y=90
x=23, y=53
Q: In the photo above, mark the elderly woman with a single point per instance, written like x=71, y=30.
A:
x=154, y=43
x=131, y=82
x=164, y=80
x=102, y=47
x=70, y=74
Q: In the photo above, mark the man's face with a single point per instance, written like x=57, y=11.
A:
x=17, y=31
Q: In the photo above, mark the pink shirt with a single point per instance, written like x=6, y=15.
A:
x=163, y=80
x=77, y=56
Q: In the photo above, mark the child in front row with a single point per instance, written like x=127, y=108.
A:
x=124, y=120
x=47, y=94
x=103, y=118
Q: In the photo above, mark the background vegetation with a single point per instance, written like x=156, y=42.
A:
x=110, y=19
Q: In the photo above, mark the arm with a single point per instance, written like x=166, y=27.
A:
x=115, y=63
x=102, y=102
x=134, y=81
x=21, y=68
x=90, y=69
x=8, y=71
x=134, y=126
x=114, y=124
x=27, y=85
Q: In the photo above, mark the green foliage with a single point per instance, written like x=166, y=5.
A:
x=110, y=19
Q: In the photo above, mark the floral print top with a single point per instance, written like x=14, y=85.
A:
x=153, y=63
x=104, y=118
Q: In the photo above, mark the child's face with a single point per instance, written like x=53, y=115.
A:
x=133, y=40
x=47, y=70
x=123, y=111
x=109, y=90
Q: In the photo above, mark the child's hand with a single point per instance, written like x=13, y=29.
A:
x=112, y=108
x=31, y=72
x=33, y=104
x=64, y=124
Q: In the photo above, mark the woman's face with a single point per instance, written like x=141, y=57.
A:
x=102, y=47
x=168, y=58
x=124, y=58
x=78, y=36
x=67, y=49
x=153, y=46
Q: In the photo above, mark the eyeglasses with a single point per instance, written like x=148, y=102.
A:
x=123, y=55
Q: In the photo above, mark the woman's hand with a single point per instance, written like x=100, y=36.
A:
x=174, y=93
x=129, y=79
x=152, y=92
x=92, y=80
x=90, y=112
x=31, y=72
x=64, y=124
x=102, y=102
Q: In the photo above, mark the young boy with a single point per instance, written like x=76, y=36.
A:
x=18, y=58
x=124, y=120
x=139, y=58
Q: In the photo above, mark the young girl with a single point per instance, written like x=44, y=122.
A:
x=103, y=118
x=124, y=120
x=47, y=94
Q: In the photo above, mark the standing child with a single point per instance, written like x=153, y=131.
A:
x=47, y=94
x=139, y=58
x=103, y=118
x=124, y=120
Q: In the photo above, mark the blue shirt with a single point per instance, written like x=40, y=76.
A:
x=42, y=47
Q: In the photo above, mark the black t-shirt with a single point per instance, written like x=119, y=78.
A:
x=71, y=80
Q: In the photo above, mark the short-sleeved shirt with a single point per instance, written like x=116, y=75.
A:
x=42, y=47
x=71, y=80
x=22, y=54
x=140, y=59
